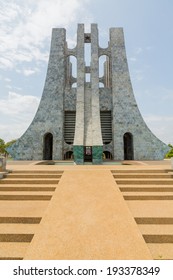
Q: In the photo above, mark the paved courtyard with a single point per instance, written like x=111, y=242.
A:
x=90, y=212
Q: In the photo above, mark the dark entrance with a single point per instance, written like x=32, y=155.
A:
x=48, y=146
x=88, y=153
x=68, y=155
x=128, y=146
x=107, y=155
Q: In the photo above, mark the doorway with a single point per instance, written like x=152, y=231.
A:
x=128, y=146
x=107, y=155
x=48, y=146
x=68, y=155
x=88, y=153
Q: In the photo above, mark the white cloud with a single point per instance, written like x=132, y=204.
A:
x=18, y=105
x=5, y=63
x=26, y=26
x=14, y=131
x=161, y=126
x=17, y=112
x=29, y=72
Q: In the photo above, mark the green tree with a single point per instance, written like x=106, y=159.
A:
x=2, y=146
x=170, y=153
x=8, y=144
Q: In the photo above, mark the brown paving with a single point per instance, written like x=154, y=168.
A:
x=150, y=202
x=87, y=213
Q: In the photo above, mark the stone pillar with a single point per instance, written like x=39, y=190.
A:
x=78, y=146
x=54, y=89
x=119, y=88
x=97, y=143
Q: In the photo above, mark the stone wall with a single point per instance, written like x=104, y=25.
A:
x=126, y=115
x=50, y=114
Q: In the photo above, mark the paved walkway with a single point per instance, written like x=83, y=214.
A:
x=87, y=217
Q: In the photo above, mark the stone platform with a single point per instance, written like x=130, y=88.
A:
x=87, y=212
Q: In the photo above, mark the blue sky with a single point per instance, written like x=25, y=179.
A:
x=25, y=35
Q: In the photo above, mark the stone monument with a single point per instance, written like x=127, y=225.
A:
x=88, y=119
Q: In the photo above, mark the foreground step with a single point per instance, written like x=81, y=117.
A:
x=20, y=220
x=25, y=188
x=144, y=188
x=161, y=251
x=144, y=181
x=140, y=171
x=151, y=208
x=11, y=197
x=12, y=237
x=154, y=220
x=22, y=208
x=161, y=229
x=143, y=176
x=60, y=172
x=14, y=228
x=13, y=250
x=34, y=175
x=148, y=197
x=29, y=181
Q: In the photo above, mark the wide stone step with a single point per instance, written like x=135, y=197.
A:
x=144, y=181
x=35, y=175
x=16, y=191
x=151, y=208
x=161, y=251
x=158, y=238
x=20, y=220
x=10, y=237
x=22, y=208
x=13, y=250
x=143, y=176
x=60, y=172
x=148, y=197
x=156, y=229
x=26, y=188
x=138, y=188
x=154, y=220
x=25, y=197
x=18, y=228
x=29, y=181
x=140, y=171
